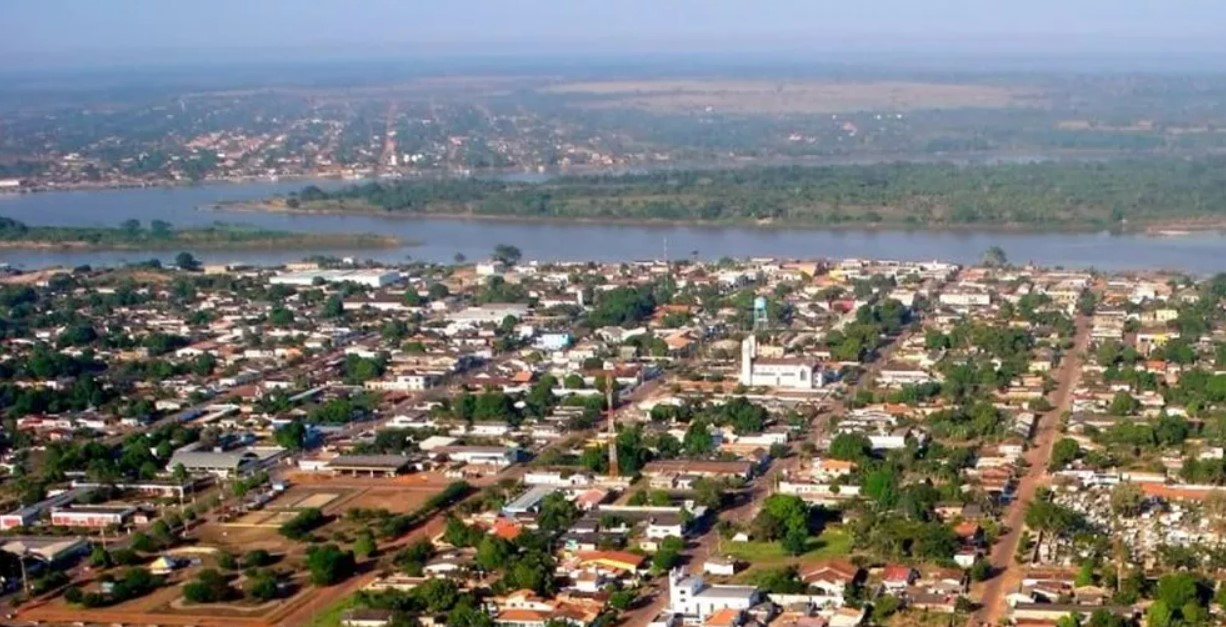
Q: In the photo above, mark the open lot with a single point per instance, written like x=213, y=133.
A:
x=165, y=606
x=794, y=96
x=318, y=500
x=395, y=500
x=264, y=518
x=832, y=543
x=239, y=538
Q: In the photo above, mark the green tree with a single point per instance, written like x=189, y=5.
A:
x=621, y=600
x=1063, y=452
x=303, y=523
x=329, y=565
x=665, y=559
x=884, y=607
x=99, y=557
x=262, y=586
x=1179, y=589
x=210, y=586
x=533, y=570
x=364, y=546
x=257, y=558
x=394, y=331
x=204, y=364
x=280, y=316
x=143, y=543
x=226, y=560
x=334, y=307
x=437, y=595
x=882, y=486
x=493, y=553
x=1086, y=576
x=1124, y=404
x=795, y=540
x=185, y=261
x=292, y=436
x=994, y=256
x=507, y=254
x=785, y=580
x=1159, y=614
x=981, y=570
x=709, y=493
x=850, y=447
x=557, y=513
x=698, y=441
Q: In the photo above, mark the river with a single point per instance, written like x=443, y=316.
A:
x=442, y=239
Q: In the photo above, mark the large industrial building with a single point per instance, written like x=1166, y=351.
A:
x=370, y=278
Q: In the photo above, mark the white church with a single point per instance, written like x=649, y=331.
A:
x=778, y=372
x=694, y=600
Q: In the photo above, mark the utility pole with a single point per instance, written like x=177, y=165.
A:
x=609, y=382
x=25, y=581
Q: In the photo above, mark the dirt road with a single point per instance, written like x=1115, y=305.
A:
x=1009, y=575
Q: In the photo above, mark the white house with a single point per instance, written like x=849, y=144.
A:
x=898, y=375
x=967, y=298
x=408, y=382
x=722, y=567
x=493, y=455
x=664, y=525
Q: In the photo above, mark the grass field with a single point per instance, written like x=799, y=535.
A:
x=794, y=96
x=331, y=616
x=832, y=543
x=916, y=618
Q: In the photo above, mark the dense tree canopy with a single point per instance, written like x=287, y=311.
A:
x=1049, y=194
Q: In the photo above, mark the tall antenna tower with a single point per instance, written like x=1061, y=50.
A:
x=609, y=382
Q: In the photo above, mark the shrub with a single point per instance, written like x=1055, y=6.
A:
x=257, y=558
x=262, y=586
x=303, y=523
x=210, y=586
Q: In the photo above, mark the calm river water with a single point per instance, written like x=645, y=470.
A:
x=441, y=239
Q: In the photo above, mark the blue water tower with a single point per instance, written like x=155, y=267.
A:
x=760, y=319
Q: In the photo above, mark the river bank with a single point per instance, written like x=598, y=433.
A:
x=255, y=245
x=1157, y=228
x=15, y=235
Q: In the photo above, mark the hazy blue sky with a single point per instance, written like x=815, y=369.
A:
x=71, y=31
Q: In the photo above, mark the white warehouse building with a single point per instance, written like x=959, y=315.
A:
x=369, y=278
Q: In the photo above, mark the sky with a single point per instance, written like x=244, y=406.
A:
x=70, y=32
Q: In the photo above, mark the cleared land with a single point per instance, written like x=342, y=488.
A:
x=832, y=543
x=319, y=499
x=259, y=530
x=399, y=500
x=795, y=96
